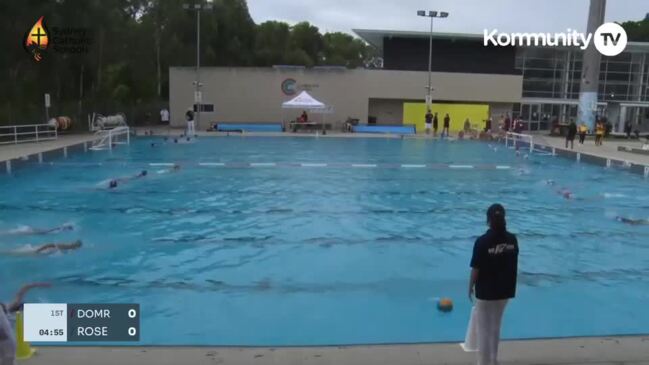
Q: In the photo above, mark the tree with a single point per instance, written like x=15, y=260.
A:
x=272, y=43
x=307, y=38
x=343, y=50
x=637, y=31
x=134, y=42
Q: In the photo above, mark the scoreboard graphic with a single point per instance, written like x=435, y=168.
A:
x=56, y=322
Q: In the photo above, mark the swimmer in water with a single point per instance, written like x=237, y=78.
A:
x=31, y=230
x=142, y=174
x=58, y=247
x=565, y=193
x=633, y=222
x=112, y=184
x=550, y=182
x=46, y=249
x=174, y=168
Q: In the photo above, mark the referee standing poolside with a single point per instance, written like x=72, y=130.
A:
x=494, y=267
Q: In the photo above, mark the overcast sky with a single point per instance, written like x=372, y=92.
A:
x=466, y=16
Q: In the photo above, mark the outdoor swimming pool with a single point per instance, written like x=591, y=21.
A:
x=276, y=248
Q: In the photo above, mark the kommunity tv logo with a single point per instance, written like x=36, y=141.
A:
x=610, y=39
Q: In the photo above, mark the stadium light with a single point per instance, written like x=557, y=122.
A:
x=197, y=7
x=432, y=14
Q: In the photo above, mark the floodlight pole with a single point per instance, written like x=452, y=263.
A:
x=429, y=100
x=198, y=67
x=432, y=15
x=197, y=7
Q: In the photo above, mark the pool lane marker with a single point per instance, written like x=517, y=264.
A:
x=435, y=166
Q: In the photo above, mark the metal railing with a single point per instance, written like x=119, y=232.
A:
x=14, y=134
x=106, y=139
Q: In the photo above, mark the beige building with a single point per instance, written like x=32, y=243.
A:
x=241, y=94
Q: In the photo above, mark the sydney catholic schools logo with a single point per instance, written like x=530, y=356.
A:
x=37, y=40
x=64, y=40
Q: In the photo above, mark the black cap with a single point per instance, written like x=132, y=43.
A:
x=495, y=210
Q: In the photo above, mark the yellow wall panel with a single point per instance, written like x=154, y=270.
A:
x=414, y=113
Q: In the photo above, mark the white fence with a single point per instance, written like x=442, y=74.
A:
x=14, y=134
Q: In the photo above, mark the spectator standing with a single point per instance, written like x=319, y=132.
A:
x=164, y=116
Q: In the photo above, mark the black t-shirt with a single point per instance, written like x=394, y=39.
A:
x=429, y=118
x=447, y=121
x=495, y=255
x=572, y=130
x=435, y=122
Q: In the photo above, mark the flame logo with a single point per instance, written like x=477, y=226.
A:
x=37, y=40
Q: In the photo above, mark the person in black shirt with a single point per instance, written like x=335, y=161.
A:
x=627, y=129
x=429, y=121
x=447, y=123
x=189, y=115
x=494, y=267
x=435, y=125
x=572, y=132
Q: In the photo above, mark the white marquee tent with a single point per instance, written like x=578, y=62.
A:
x=303, y=101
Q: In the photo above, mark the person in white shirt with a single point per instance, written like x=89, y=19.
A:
x=164, y=116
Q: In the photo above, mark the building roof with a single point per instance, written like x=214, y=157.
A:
x=375, y=37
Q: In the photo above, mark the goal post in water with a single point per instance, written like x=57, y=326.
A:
x=515, y=137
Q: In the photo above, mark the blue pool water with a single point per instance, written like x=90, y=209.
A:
x=289, y=255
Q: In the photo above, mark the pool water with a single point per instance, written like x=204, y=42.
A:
x=356, y=251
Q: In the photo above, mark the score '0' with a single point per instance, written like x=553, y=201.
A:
x=132, y=331
x=132, y=313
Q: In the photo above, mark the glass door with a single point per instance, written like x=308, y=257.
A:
x=535, y=117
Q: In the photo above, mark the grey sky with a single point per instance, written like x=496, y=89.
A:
x=466, y=16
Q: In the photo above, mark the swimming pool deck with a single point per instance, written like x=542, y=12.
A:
x=609, y=149
x=601, y=351
x=18, y=152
